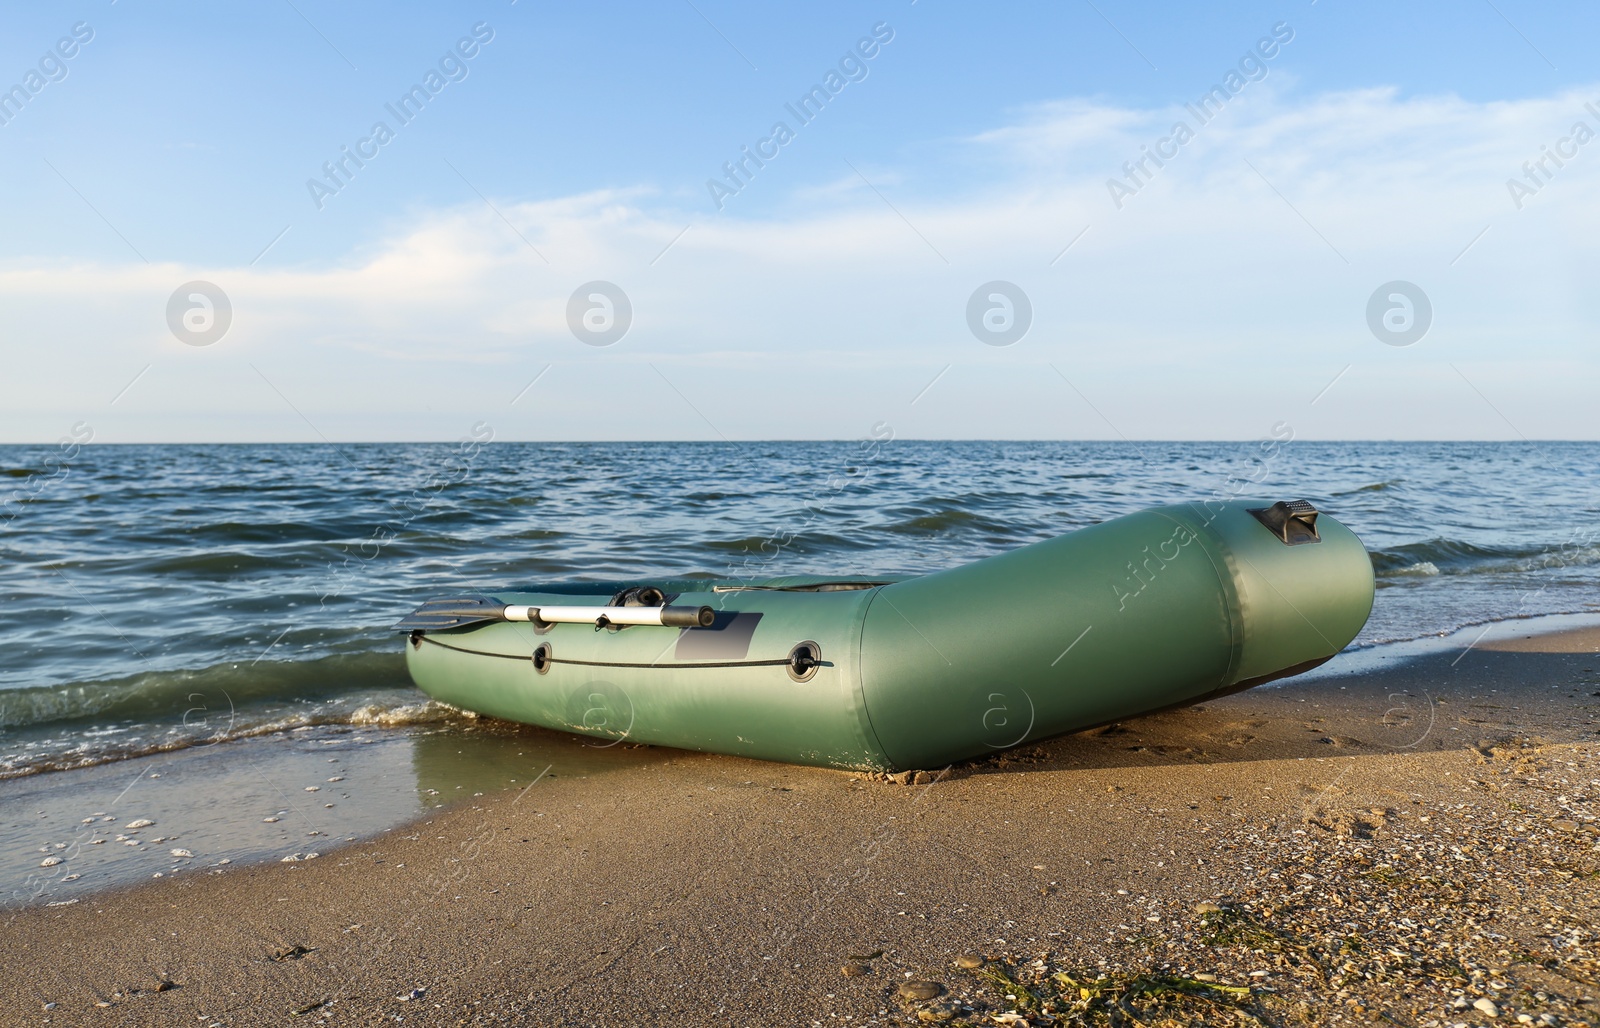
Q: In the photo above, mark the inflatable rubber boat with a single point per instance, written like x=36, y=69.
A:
x=1161, y=608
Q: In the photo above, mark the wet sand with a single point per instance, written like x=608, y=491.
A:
x=293, y=796
x=1396, y=845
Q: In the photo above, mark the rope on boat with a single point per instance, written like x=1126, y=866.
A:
x=782, y=662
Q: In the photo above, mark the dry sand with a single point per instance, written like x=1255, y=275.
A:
x=1396, y=846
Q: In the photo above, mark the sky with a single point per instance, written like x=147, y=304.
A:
x=307, y=221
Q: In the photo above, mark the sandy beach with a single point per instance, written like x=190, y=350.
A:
x=1414, y=843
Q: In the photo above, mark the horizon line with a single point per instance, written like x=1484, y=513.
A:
x=734, y=442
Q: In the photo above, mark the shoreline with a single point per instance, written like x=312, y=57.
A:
x=697, y=888
x=299, y=795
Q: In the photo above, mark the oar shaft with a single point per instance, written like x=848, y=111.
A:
x=670, y=617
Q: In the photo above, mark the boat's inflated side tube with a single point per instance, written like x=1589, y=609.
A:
x=1160, y=608
x=1163, y=607
x=738, y=686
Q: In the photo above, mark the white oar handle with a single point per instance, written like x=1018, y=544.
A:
x=670, y=617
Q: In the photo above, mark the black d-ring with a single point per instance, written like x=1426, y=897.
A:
x=804, y=660
x=543, y=657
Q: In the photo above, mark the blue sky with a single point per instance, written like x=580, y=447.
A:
x=1212, y=297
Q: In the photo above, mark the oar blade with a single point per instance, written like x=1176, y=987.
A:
x=455, y=612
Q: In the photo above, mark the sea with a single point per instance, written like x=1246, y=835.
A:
x=156, y=599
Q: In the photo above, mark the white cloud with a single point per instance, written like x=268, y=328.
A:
x=1215, y=279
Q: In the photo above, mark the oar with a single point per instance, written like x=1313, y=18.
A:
x=475, y=610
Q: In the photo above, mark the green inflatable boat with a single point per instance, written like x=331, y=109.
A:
x=1161, y=608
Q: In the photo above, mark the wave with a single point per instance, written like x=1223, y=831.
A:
x=937, y=522
x=62, y=727
x=205, y=692
x=224, y=533
x=775, y=549
x=1454, y=556
x=1374, y=487
x=1370, y=641
x=1451, y=553
x=90, y=748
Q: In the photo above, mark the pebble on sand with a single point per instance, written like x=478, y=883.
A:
x=1486, y=1006
x=915, y=990
x=855, y=970
x=970, y=961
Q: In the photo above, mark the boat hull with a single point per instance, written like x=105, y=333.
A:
x=1157, y=609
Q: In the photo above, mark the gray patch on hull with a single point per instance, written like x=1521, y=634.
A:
x=728, y=638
